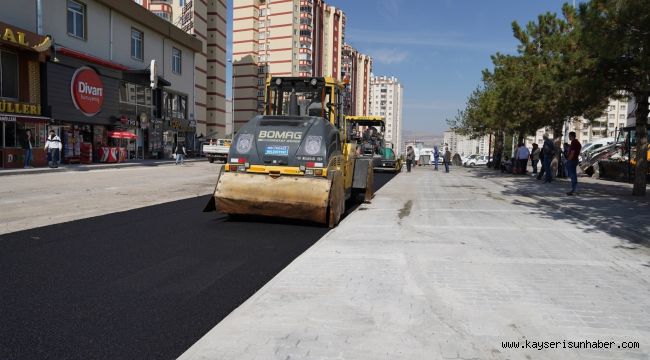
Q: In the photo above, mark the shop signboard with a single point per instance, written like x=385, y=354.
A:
x=87, y=91
x=6, y=118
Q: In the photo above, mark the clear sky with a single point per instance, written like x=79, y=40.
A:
x=437, y=48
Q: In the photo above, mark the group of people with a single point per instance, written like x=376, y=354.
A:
x=566, y=161
x=53, y=147
x=446, y=158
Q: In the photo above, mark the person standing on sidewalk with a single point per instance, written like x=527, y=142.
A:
x=548, y=149
x=28, y=143
x=522, y=158
x=436, y=157
x=534, y=158
x=180, y=153
x=572, y=162
x=53, y=147
x=410, y=158
x=447, y=159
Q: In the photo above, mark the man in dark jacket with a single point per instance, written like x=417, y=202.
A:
x=28, y=143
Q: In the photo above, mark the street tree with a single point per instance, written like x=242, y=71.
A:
x=615, y=35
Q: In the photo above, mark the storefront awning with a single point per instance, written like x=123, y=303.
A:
x=122, y=135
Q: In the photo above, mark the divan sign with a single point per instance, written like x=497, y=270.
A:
x=87, y=91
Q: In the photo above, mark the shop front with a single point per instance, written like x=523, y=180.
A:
x=83, y=95
x=22, y=111
x=177, y=127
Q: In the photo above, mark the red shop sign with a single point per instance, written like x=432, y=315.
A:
x=87, y=91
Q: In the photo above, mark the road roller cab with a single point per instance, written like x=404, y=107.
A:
x=294, y=161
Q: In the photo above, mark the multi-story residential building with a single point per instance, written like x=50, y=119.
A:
x=356, y=69
x=619, y=114
x=334, y=36
x=206, y=20
x=96, y=90
x=281, y=38
x=386, y=95
x=465, y=145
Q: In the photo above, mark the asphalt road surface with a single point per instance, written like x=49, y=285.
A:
x=140, y=284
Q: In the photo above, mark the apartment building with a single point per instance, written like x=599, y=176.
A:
x=386, y=94
x=356, y=68
x=281, y=38
x=619, y=114
x=206, y=20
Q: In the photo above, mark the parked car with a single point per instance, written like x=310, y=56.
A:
x=475, y=160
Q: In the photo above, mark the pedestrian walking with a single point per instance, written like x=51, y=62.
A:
x=572, y=162
x=410, y=158
x=28, y=143
x=522, y=158
x=447, y=159
x=436, y=156
x=534, y=158
x=548, y=149
x=53, y=147
x=180, y=153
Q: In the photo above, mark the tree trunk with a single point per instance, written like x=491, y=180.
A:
x=641, y=169
x=498, y=150
x=556, y=164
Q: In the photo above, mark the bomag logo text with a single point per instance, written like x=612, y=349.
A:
x=280, y=135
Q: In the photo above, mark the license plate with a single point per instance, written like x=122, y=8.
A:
x=274, y=150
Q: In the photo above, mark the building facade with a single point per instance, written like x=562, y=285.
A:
x=23, y=54
x=97, y=90
x=356, y=69
x=206, y=20
x=386, y=96
x=281, y=38
x=619, y=114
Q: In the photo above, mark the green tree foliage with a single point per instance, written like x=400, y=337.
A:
x=615, y=36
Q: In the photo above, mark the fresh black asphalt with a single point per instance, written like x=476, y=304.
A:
x=141, y=284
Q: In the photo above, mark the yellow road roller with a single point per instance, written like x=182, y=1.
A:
x=295, y=161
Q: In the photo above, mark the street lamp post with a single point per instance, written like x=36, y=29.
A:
x=232, y=100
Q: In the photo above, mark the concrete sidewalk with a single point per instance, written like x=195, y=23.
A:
x=448, y=266
x=94, y=166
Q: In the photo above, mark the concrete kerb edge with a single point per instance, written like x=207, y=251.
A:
x=91, y=168
x=615, y=230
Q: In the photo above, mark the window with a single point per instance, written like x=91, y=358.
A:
x=621, y=116
x=162, y=14
x=622, y=107
x=611, y=125
x=612, y=107
x=181, y=2
x=175, y=105
x=176, y=60
x=76, y=19
x=262, y=35
x=612, y=116
x=137, y=40
x=8, y=75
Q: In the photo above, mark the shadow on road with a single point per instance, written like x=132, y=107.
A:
x=599, y=206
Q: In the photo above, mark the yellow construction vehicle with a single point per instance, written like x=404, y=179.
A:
x=368, y=133
x=295, y=161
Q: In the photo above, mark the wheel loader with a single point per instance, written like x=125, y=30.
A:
x=295, y=161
